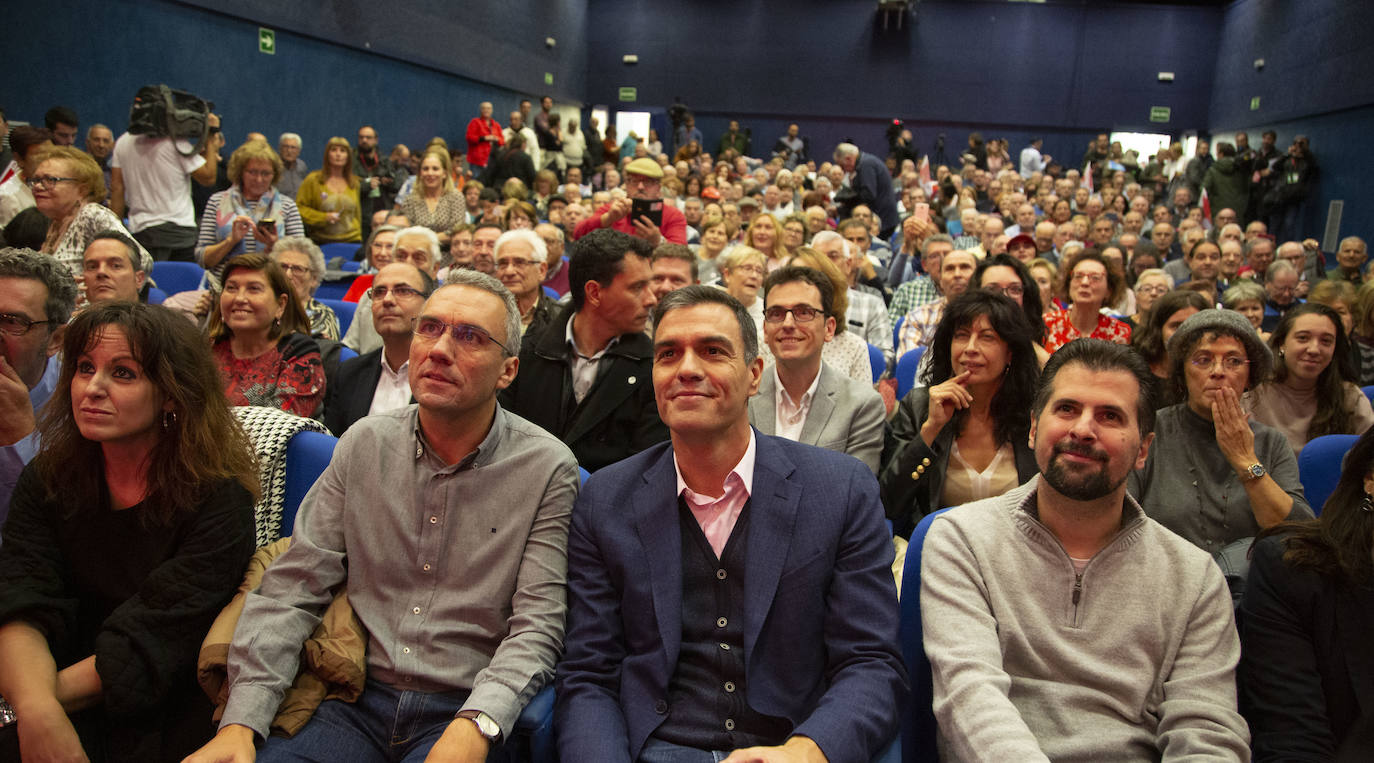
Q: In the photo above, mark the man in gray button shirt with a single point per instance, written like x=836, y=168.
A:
x=448, y=522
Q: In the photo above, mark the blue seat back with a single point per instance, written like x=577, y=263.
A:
x=918, y=720
x=1368, y=392
x=346, y=354
x=334, y=289
x=897, y=332
x=345, y=311
x=156, y=296
x=307, y=454
x=176, y=277
x=344, y=250
x=1319, y=467
x=906, y=370
x=877, y=361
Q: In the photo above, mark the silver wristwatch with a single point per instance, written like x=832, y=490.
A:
x=485, y=725
x=1257, y=470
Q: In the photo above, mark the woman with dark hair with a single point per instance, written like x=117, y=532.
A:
x=261, y=340
x=1311, y=394
x=1089, y=284
x=1213, y=476
x=127, y=534
x=692, y=187
x=328, y=199
x=964, y=435
x=1001, y=274
x=1152, y=339
x=1307, y=623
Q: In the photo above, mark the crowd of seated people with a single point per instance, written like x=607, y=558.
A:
x=1104, y=368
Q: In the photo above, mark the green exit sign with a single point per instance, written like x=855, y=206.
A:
x=629, y=94
x=1254, y=103
x=1160, y=113
x=548, y=78
x=267, y=41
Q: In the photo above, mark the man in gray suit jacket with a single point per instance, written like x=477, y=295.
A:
x=799, y=397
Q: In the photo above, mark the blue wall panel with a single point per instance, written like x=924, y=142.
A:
x=1315, y=81
x=1344, y=169
x=1054, y=68
x=500, y=43
x=309, y=86
x=1317, y=59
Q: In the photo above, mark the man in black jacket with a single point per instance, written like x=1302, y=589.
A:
x=587, y=377
x=379, y=380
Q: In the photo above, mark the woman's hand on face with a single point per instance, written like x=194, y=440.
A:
x=1234, y=437
x=945, y=398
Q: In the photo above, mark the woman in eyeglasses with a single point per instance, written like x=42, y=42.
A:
x=964, y=434
x=1004, y=274
x=250, y=215
x=1311, y=393
x=68, y=187
x=303, y=263
x=1211, y=475
x=1088, y=285
x=261, y=340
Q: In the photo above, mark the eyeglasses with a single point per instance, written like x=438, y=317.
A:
x=1014, y=290
x=755, y=269
x=1156, y=289
x=258, y=173
x=1205, y=361
x=16, y=325
x=800, y=313
x=294, y=269
x=400, y=291
x=1089, y=277
x=47, y=182
x=470, y=338
x=517, y=263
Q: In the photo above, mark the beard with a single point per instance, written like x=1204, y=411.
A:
x=1076, y=485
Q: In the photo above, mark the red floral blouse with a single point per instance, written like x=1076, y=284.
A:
x=289, y=376
x=1059, y=330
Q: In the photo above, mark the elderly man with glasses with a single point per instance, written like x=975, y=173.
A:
x=641, y=213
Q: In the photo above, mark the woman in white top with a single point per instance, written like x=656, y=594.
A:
x=68, y=187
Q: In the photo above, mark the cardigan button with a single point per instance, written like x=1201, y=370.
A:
x=920, y=470
x=915, y=475
x=660, y=707
x=925, y=462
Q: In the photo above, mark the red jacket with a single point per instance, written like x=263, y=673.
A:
x=480, y=150
x=674, y=227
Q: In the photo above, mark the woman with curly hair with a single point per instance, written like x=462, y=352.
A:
x=127, y=534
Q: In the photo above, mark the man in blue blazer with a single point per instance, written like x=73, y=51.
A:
x=728, y=590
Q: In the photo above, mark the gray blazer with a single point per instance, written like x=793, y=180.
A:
x=846, y=415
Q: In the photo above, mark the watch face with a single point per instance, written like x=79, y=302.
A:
x=1257, y=471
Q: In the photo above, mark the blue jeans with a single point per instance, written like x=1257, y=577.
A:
x=658, y=751
x=385, y=724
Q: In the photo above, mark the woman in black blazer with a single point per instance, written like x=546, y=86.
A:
x=974, y=419
x=1306, y=673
